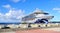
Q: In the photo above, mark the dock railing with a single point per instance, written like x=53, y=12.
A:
x=32, y=25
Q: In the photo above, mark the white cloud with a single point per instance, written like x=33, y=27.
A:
x=58, y=9
x=6, y=6
x=12, y=16
x=15, y=1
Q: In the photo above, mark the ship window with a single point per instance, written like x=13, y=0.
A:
x=46, y=13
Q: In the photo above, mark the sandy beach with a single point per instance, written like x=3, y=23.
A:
x=47, y=30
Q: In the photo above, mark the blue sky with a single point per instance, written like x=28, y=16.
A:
x=13, y=10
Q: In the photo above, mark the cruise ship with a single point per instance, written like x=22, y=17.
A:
x=38, y=16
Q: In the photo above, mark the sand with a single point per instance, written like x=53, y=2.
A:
x=37, y=31
x=43, y=30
